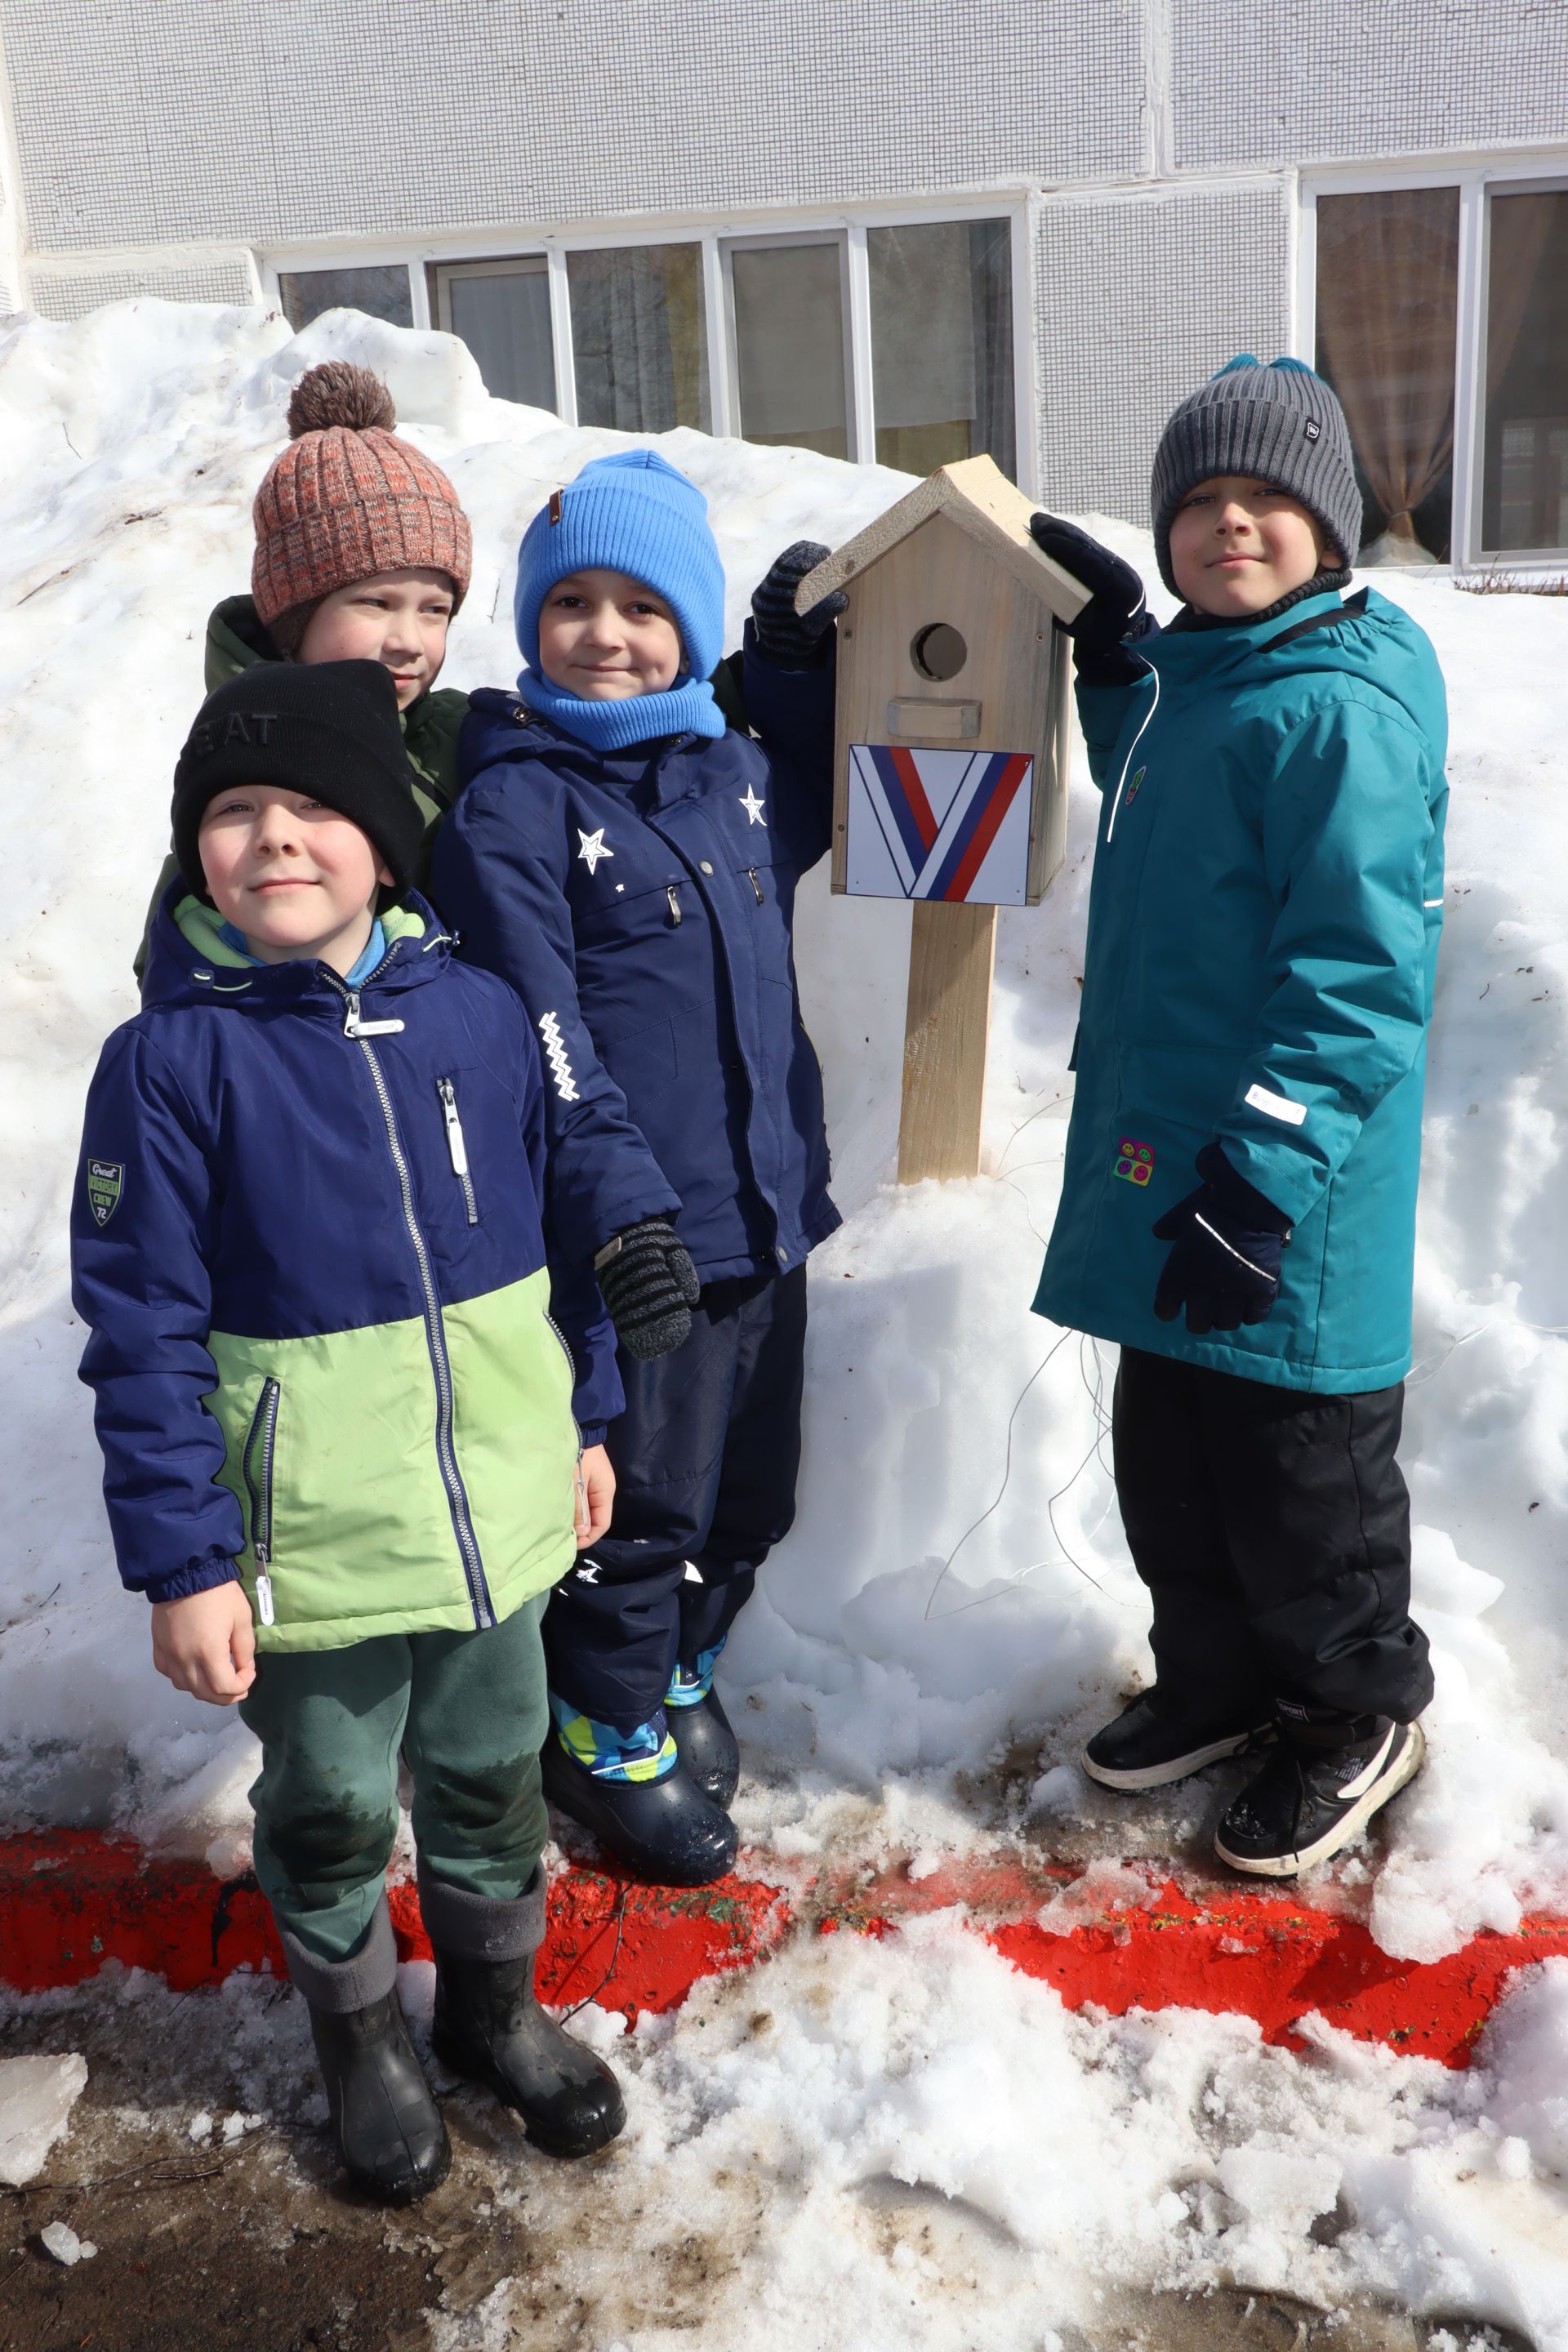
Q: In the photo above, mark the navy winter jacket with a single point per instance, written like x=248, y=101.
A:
x=311, y=1257
x=641, y=904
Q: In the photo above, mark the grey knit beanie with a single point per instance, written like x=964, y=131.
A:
x=1280, y=423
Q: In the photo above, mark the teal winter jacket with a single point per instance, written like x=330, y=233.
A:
x=1263, y=930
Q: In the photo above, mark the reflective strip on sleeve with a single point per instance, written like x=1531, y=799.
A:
x=1276, y=1106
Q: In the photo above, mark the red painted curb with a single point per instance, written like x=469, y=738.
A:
x=70, y=1900
x=1263, y=1955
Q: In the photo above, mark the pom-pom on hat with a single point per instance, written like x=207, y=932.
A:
x=329, y=729
x=1281, y=424
x=347, y=498
x=634, y=513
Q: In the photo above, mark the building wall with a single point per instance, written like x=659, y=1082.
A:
x=1158, y=141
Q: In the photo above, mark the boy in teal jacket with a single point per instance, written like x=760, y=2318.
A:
x=1263, y=933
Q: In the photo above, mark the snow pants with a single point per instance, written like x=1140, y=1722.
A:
x=468, y=1712
x=1272, y=1528
x=706, y=1456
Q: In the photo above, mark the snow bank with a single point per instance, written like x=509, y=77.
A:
x=956, y=1594
x=37, y=2095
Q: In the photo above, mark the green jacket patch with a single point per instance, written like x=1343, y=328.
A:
x=105, y=1180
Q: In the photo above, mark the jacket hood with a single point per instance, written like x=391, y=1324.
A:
x=190, y=962
x=1362, y=637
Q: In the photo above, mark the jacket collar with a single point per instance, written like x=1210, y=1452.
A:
x=189, y=961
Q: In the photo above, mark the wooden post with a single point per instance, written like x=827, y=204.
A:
x=947, y=1022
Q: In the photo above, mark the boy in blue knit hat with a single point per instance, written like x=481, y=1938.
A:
x=629, y=865
x=1262, y=945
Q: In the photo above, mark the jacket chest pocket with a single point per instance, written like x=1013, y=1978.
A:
x=469, y=1130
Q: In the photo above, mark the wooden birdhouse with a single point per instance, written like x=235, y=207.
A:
x=951, y=764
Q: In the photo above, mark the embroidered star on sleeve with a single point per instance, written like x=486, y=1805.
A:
x=593, y=847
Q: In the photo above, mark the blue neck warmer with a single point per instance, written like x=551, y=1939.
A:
x=374, y=949
x=688, y=708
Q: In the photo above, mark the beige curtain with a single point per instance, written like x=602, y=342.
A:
x=1387, y=297
x=1519, y=228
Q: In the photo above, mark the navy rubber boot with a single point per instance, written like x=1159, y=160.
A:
x=709, y=1751
x=666, y=1830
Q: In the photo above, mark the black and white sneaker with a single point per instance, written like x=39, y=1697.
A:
x=1311, y=1798
x=1151, y=1744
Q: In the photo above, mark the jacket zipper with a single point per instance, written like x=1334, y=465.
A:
x=756, y=885
x=434, y=1333
x=674, y=902
x=456, y=1145
x=263, y=1436
x=580, y=1490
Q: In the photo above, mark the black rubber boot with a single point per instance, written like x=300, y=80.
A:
x=709, y=1751
x=490, y=2028
x=1152, y=1743
x=667, y=1830
x=388, y=2126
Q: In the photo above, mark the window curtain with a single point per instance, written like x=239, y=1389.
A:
x=991, y=279
x=620, y=336
x=1387, y=314
x=1519, y=228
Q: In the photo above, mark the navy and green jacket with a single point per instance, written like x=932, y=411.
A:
x=307, y=1239
x=1263, y=928
x=642, y=906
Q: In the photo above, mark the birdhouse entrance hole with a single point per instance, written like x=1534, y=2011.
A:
x=938, y=651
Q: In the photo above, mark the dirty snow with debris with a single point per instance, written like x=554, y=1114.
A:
x=912, y=2136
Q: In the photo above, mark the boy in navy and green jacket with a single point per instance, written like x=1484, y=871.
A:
x=1238, y=1200
x=337, y=1417
x=629, y=863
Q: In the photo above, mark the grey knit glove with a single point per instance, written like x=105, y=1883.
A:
x=795, y=640
x=649, y=1283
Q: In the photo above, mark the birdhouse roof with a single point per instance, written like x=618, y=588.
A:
x=975, y=495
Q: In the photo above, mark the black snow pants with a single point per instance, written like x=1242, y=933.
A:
x=1272, y=1528
x=706, y=1456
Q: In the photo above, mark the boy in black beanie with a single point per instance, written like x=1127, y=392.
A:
x=336, y=1416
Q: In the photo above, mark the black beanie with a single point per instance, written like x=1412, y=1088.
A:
x=329, y=729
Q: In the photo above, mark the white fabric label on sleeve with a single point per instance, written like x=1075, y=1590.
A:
x=1277, y=1105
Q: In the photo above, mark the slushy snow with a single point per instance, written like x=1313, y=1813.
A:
x=955, y=1608
x=37, y=2095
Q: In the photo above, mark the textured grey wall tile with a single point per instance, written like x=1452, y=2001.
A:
x=1137, y=301
x=1261, y=81
x=140, y=121
x=72, y=293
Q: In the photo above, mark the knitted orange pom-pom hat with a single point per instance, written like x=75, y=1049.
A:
x=347, y=498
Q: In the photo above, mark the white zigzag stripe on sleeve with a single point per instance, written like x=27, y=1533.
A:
x=555, y=1054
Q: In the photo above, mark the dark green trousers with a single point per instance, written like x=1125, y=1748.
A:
x=468, y=1711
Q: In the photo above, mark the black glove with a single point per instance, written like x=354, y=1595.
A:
x=795, y=640
x=1114, y=616
x=1227, y=1242
x=650, y=1285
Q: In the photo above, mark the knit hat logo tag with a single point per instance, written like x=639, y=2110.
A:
x=239, y=727
x=1312, y=429
x=554, y=508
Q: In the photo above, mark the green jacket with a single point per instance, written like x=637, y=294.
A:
x=236, y=640
x=1263, y=930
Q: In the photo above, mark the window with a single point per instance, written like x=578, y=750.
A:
x=1524, y=456
x=382, y=293
x=941, y=343
x=787, y=301
x=639, y=338
x=1387, y=314
x=501, y=311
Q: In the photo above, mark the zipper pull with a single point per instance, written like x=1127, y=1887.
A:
x=454, y=1143
x=756, y=884
x=674, y=902
x=263, y=1584
x=354, y=1028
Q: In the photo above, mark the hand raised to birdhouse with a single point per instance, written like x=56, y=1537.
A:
x=793, y=640
x=1114, y=618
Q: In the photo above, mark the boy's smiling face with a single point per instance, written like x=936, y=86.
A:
x=398, y=618
x=605, y=636
x=1237, y=545
x=295, y=877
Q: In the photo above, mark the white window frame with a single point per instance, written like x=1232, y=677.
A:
x=1015, y=204
x=1476, y=183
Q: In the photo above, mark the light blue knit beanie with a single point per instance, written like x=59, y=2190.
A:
x=634, y=513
